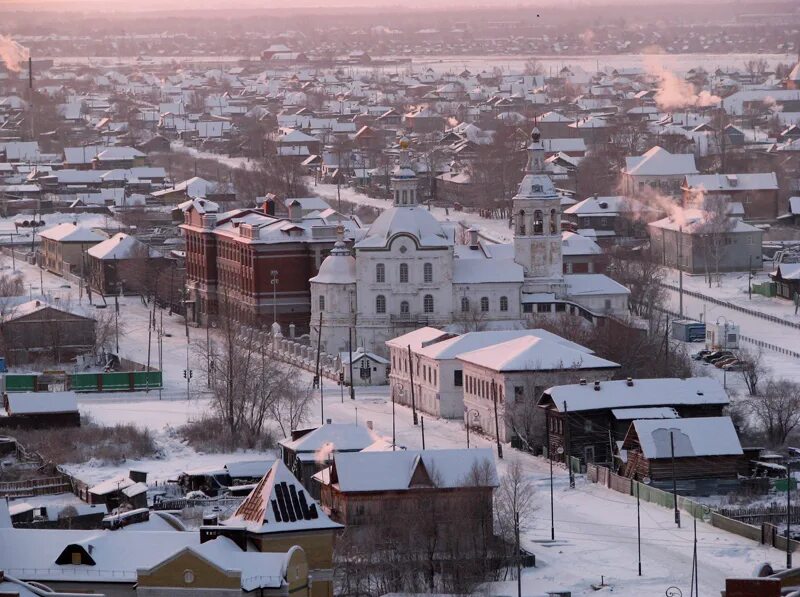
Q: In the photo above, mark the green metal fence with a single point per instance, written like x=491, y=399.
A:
x=118, y=381
x=20, y=383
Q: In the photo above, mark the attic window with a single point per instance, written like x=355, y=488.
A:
x=188, y=577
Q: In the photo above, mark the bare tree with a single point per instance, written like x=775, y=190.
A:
x=778, y=410
x=753, y=369
x=713, y=232
x=249, y=388
x=533, y=67
x=642, y=274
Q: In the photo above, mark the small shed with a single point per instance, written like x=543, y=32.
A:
x=369, y=369
x=40, y=410
x=704, y=448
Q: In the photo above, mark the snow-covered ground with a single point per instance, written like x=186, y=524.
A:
x=595, y=527
x=733, y=289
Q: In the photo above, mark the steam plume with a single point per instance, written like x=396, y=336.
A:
x=12, y=53
x=675, y=93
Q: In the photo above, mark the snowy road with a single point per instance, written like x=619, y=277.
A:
x=761, y=329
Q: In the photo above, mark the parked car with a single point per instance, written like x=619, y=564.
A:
x=715, y=356
x=700, y=354
x=737, y=365
x=719, y=364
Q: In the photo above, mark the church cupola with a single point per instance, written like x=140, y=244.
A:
x=537, y=218
x=404, y=179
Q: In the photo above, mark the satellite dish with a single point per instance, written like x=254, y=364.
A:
x=559, y=450
x=646, y=480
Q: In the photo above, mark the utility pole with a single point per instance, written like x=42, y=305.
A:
x=208, y=352
x=116, y=321
x=161, y=354
x=674, y=483
x=318, y=376
x=639, y=525
x=411, y=374
x=422, y=427
x=750, y=278
x=350, y=364
x=496, y=422
x=274, y=281
x=394, y=436
x=788, y=514
x=517, y=554
x=680, y=270
x=568, y=451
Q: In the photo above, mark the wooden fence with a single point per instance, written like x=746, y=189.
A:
x=765, y=533
x=761, y=514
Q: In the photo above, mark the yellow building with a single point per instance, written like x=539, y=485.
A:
x=279, y=514
x=219, y=567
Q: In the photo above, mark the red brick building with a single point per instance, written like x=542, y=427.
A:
x=234, y=254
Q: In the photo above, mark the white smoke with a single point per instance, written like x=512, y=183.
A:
x=12, y=53
x=675, y=93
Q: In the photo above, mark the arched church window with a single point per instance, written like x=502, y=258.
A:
x=521, y=222
x=553, y=222
x=504, y=303
x=427, y=303
x=484, y=304
x=321, y=303
x=404, y=273
x=428, y=273
x=380, y=273
x=538, y=224
x=380, y=304
x=464, y=304
x=404, y=308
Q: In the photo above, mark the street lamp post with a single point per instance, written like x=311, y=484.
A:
x=559, y=451
x=274, y=282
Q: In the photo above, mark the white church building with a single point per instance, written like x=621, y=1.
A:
x=408, y=271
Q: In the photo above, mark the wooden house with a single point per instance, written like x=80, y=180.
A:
x=124, y=264
x=588, y=418
x=63, y=246
x=370, y=490
x=308, y=451
x=703, y=448
x=787, y=279
x=37, y=330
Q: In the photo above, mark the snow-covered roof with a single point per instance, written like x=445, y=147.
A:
x=659, y=162
x=414, y=221
x=122, y=246
x=279, y=504
x=482, y=271
x=473, y=341
x=193, y=187
x=577, y=244
x=788, y=271
x=402, y=470
x=201, y=206
x=640, y=393
x=359, y=354
x=701, y=436
x=258, y=569
x=607, y=206
x=248, y=468
x=338, y=268
x=117, y=483
x=533, y=353
x=418, y=338
x=116, y=555
x=750, y=181
x=692, y=220
x=331, y=437
x=26, y=403
x=592, y=284
x=70, y=233
x=656, y=412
